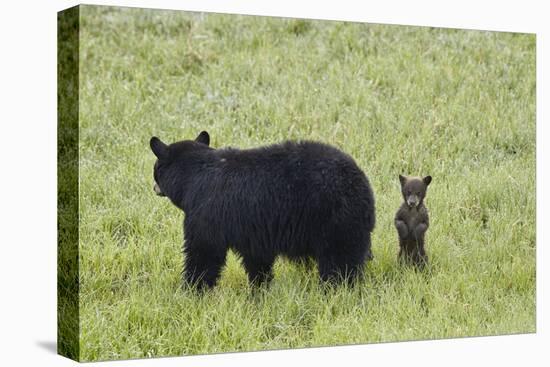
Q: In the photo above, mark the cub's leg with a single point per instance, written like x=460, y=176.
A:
x=421, y=257
x=419, y=231
x=402, y=229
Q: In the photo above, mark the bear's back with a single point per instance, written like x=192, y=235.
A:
x=301, y=156
x=304, y=173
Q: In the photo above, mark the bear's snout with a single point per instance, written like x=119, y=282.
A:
x=412, y=201
x=157, y=190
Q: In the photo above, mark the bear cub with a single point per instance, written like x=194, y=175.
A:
x=412, y=220
x=295, y=199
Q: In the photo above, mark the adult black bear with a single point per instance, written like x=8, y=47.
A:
x=297, y=199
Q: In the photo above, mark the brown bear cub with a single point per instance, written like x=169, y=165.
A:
x=412, y=220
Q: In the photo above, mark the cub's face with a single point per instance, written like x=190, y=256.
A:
x=414, y=189
x=167, y=155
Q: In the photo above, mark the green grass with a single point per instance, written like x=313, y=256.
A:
x=458, y=105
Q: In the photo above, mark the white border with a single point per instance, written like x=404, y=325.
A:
x=28, y=181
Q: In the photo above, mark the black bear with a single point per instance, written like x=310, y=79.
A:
x=412, y=220
x=297, y=199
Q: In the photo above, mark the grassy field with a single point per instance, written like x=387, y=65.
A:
x=458, y=105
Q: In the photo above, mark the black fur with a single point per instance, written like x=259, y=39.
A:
x=297, y=199
x=412, y=220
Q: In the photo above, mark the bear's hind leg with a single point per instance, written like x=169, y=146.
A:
x=338, y=269
x=344, y=256
x=259, y=271
x=203, y=264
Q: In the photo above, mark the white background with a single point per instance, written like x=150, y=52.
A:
x=28, y=182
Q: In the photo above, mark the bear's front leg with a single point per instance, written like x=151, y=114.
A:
x=402, y=229
x=419, y=231
x=203, y=264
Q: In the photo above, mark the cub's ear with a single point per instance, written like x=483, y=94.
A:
x=159, y=148
x=427, y=180
x=203, y=138
x=402, y=179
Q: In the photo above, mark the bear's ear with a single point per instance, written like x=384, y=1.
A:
x=427, y=180
x=203, y=138
x=402, y=179
x=159, y=148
